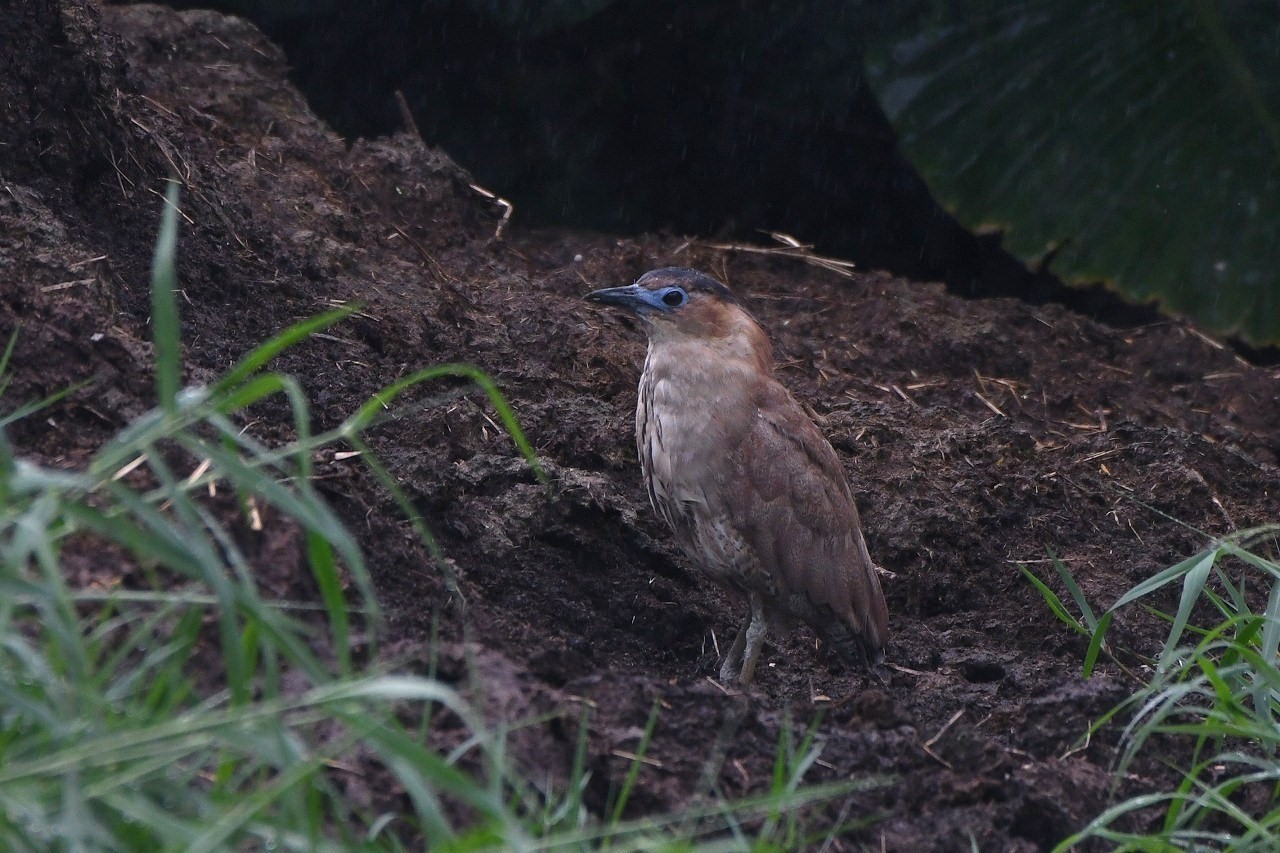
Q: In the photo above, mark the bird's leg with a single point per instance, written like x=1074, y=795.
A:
x=731, y=668
x=755, y=640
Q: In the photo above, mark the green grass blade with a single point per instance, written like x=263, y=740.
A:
x=245, y=394
x=147, y=546
x=383, y=399
x=1095, y=644
x=262, y=355
x=1090, y=621
x=1169, y=575
x=208, y=563
x=1192, y=585
x=1263, y=702
x=165, y=332
x=411, y=513
x=218, y=834
x=8, y=354
x=1237, y=594
x=325, y=570
x=624, y=794
x=1055, y=603
x=1257, y=561
x=302, y=505
x=26, y=410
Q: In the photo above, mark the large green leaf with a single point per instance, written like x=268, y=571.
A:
x=1140, y=141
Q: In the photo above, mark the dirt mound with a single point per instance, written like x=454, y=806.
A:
x=977, y=434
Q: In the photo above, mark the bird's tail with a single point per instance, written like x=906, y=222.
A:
x=861, y=648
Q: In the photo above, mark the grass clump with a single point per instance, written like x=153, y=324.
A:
x=194, y=712
x=1209, y=710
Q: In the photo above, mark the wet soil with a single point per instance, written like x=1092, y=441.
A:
x=978, y=435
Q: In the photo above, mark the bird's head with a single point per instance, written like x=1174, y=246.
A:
x=675, y=302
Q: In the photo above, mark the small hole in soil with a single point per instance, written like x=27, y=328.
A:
x=982, y=671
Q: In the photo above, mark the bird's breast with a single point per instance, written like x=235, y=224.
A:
x=687, y=426
x=690, y=420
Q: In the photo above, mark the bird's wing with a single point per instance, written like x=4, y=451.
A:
x=796, y=511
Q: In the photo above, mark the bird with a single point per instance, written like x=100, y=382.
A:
x=754, y=493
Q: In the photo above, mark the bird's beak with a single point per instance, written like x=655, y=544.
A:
x=633, y=297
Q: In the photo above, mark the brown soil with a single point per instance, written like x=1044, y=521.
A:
x=978, y=434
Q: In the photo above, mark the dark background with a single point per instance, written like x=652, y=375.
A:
x=722, y=119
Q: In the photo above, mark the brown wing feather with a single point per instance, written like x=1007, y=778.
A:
x=796, y=511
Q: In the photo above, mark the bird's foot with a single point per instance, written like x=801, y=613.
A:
x=730, y=670
x=756, y=629
x=731, y=667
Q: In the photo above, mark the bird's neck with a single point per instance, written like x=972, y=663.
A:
x=741, y=349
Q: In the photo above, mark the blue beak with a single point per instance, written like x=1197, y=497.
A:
x=633, y=298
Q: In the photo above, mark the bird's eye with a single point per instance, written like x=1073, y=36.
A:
x=675, y=297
